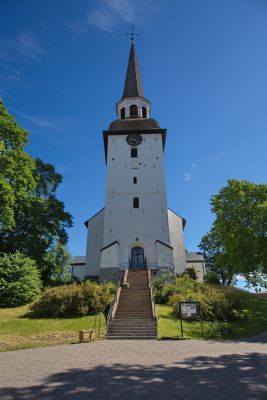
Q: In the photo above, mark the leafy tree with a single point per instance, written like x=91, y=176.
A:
x=16, y=168
x=19, y=280
x=59, y=259
x=33, y=220
x=237, y=242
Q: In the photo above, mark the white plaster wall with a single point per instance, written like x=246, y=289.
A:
x=164, y=255
x=78, y=271
x=177, y=241
x=94, y=243
x=149, y=222
x=199, y=267
x=128, y=102
x=110, y=257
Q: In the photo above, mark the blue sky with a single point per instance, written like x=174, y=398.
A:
x=203, y=66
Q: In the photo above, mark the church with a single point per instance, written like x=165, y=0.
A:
x=135, y=230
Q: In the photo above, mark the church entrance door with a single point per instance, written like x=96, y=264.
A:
x=137, y=258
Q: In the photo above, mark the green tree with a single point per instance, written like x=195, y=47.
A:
x=59, y=259
x=19, y=280
x=34, y=220
x=237, y=242
x=16, y=168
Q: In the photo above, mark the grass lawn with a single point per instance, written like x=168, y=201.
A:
x=255, y=323
x=18, y=330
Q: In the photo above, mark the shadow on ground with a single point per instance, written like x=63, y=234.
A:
x=224, y=377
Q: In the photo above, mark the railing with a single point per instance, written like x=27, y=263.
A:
x=114, y=304
x=150, y=285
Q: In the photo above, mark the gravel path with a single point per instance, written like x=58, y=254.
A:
x=194, y=370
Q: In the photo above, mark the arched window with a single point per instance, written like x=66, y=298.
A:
x=123, y=113
x=133, y=111
x=137, y=258
x=144, y=112
x=134, y=180
x=136, y=202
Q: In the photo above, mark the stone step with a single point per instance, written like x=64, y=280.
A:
x=131, y=337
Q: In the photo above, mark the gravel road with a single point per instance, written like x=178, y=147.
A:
x=137, y=370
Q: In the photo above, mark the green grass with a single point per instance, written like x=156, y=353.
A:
x=18, y=330
x=254, y=324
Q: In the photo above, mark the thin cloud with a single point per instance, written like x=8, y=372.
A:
x=60, y=123
x=187, y=176
x=106, y=16
x=29, y=47
x=25, y=45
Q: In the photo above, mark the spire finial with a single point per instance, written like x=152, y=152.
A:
x=132, y=34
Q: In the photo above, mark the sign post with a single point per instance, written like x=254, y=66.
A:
x=190, y=310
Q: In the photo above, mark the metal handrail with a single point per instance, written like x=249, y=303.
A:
x=150, y=285
x=115, y=301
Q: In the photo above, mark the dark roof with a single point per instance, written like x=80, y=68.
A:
x=133, y=85
x=78, y=260
x=192, y=256
x=134, y=124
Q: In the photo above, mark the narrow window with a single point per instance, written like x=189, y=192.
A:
x=136, y=202
x=135, y=180
x=144, y=112
x=133, y=111
x=134, y=152
x=123, y=113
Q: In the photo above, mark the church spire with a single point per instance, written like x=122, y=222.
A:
x=133, y=84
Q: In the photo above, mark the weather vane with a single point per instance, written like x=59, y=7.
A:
x=132, y=34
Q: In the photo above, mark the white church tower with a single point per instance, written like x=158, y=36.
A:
x=135, y=229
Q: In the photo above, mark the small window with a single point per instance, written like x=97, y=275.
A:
x=133, y=111
x=123, y=113
x=134, y=152
x=136, y=202
x=144, y=112
x=135, y=180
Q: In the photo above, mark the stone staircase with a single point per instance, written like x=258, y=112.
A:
x=134, y=314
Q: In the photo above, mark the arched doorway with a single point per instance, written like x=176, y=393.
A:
x=137, y=258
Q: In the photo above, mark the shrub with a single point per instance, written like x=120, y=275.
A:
x=161, y=293
x=73, y=300
x=19, y=280
x=191, y=273
x=212, y=278
x=215, y=304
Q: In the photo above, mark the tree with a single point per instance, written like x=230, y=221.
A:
x=237, y=242
x=16, y=168
x=37, y=219
x=60, y=260
x=19, y=280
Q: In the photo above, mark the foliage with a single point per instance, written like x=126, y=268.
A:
x=19, y=280
x=16, y=168
x=191, y=273
x=73, y=300
x=215, y=304
x=32, y=220
x=59, y=259
x=237, y=242
x=212, y=278
x=163, y=287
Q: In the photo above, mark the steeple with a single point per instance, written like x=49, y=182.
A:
x=133, y=84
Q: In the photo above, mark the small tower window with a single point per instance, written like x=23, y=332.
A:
x=134, y=153
x=133, y=111
x=123, y=113
x=144, y=112
x=134, y=180
x=136, y=202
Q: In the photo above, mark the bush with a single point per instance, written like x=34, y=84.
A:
x=191, y=273
x=212, y=278
x=163, y=287
x=73, y=300
x=19, y=280
x=216, y=304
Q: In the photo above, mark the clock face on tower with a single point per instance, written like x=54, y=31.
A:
x=134, y=139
